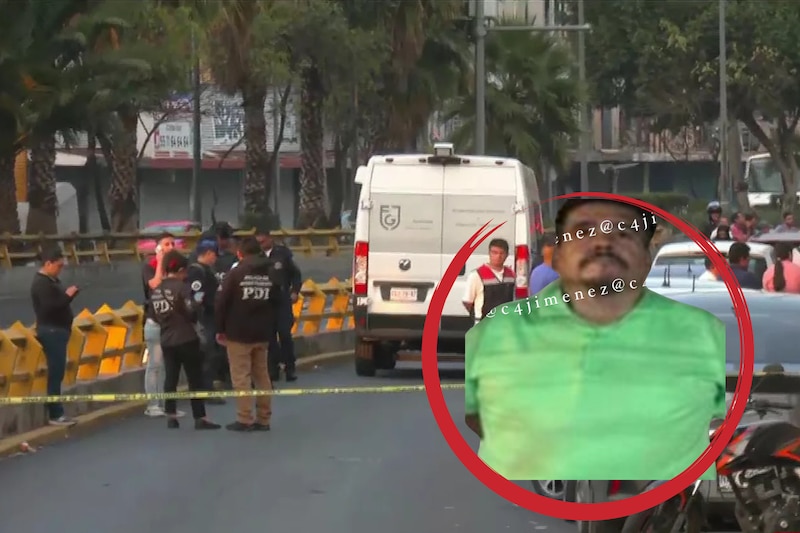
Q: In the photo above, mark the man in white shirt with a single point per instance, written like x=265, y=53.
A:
x=491, y=284
x=711, y=273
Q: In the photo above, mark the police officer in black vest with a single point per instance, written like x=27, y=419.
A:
x=202, y=280
x=281, y=348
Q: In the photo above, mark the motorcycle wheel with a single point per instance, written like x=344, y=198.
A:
x=662, y=518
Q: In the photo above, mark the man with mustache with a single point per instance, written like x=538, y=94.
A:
x=608, y=380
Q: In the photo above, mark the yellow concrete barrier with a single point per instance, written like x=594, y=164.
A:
x=109, y=247
x=108, y=342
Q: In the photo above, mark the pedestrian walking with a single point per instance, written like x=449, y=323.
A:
x=176, y=312
x=202, y=281
x=281, y=346
x=52, y=306
x=491, y=284
x=246, y=314
x=154, y=374
x=541, y=373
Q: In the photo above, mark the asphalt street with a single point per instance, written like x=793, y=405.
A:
x=333, y=464
x=117, y=283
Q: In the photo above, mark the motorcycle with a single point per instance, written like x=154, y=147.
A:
x=762, y=465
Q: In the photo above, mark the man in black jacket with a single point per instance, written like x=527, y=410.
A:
x=245, y=313
x=281, y=346
x=52, y=305
x=202, y=280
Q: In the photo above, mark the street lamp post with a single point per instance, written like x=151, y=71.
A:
x=724, y=170
x=195, y=196
x=481, y=30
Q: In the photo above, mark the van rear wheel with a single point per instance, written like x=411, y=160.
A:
x=365, y=358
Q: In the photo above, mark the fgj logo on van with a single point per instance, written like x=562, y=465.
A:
x=390, y=217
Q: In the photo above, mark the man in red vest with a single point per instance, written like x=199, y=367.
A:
x=491, y=284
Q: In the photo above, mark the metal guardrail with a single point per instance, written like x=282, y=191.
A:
x=109, y=342
x=109, y=247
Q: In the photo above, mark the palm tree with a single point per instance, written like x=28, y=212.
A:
x=33, y=93
x=532, y=100
x=243, y=42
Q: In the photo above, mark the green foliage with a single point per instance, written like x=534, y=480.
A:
x=532, y=99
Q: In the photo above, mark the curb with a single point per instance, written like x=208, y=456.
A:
x=29, y=441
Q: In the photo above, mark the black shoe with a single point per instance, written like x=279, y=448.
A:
x=291, y=376
x=216, y=401
x=172, y=423
x=238, y=426
x=202, y=423
x=261, y=427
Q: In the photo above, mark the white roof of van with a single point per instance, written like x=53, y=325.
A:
x=412, y=159
x=691, y=247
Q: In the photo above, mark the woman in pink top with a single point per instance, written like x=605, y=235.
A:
x=783, y=276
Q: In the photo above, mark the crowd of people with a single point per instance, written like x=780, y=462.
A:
x=782, y=276
x=223, y=315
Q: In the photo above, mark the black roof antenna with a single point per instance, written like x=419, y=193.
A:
x=666, y=277
x=694, y=280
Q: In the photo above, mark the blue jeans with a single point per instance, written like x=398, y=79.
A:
x=281, y=346
x=54, y=343
x=154, y=372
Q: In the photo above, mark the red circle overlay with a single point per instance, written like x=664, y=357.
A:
x=586, y=511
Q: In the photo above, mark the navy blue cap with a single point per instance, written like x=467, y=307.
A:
x=207, y=245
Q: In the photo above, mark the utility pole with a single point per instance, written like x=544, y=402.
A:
x=724, y=167
x=585, y=139
x=276, y=169
x=481, y=30
x=195, y=195
x=480, y=77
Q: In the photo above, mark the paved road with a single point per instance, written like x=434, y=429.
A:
x=337, y=464
x=119, y=282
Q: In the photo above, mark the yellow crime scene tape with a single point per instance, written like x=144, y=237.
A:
x=188, y=395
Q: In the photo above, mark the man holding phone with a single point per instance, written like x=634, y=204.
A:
x=52, y=305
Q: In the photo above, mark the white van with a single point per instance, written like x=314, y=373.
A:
x=414, y=213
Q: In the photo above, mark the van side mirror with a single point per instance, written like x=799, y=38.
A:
x=361, y=175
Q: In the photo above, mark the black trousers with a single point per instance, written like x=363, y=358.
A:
x=281, y=346
x=215, y=360
x=189, y=357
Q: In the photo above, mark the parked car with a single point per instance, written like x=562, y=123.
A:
x=148, y=246
x=687, y=258
x=776, y=337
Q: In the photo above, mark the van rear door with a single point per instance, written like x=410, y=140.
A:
x=474, y=195
x=405, y=239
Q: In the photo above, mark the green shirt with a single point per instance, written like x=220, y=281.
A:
x=560, y=398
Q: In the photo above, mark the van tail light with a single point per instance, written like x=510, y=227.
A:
x=614, y=487
x=522, y=256
x=360, y=266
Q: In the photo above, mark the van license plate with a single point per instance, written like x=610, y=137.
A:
x=724, y=484
x=403, y=295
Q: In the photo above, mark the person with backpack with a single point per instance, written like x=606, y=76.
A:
x=202, y=280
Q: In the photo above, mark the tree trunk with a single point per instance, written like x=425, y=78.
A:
x=257, y=160
x=9, y=217
x=336, y=182
x=93, y=170
x=311, y=208
x=122, y=195
x=42, y=199
x=735, y=163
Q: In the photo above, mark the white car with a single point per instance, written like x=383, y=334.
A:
x=687, y=260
